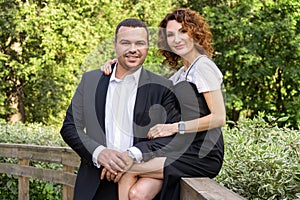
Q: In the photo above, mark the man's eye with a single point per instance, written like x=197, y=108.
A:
x=140, y=44
x=125, y=43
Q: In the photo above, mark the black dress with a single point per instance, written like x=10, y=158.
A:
x=192, y=154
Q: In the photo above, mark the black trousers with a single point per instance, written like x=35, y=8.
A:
x=107, y=190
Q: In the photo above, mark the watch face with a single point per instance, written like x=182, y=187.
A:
x=181, y=127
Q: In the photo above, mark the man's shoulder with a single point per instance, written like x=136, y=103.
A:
x=95, y=72
x=158, y=78
x=92, y=75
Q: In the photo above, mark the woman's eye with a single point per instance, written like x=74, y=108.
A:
x=183, y=31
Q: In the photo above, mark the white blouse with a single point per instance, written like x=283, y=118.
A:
x=203, y=72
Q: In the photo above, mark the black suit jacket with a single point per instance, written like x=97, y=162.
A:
x=84, y=125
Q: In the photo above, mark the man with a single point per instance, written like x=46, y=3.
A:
x=109, y=114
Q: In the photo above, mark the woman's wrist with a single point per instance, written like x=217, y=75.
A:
x=174, y=128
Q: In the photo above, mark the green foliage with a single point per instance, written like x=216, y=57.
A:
x=261, y=161
x=30, y=134
x=38, y=189
x=9, y=187
x=258, y=50
x=44, y=190
x=46, y=45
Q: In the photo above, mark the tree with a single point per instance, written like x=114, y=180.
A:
x=258, y=50
x=45, y=46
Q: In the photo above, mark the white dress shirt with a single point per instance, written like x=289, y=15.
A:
x=119, y=111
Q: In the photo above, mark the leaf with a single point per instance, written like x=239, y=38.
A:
x=282, y=119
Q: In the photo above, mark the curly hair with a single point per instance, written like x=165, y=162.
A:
x=195, y=26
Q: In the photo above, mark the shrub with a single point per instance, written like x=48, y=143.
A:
x=30, y=134
x=261, y=160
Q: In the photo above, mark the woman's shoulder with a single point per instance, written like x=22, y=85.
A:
x=206, y=65
x=205, y=61
x=206, y=75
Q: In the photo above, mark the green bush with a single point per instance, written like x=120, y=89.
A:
x=261, y=160
x=30, y=134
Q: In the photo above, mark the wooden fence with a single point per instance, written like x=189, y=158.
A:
x=26, y=153
x=191, y=188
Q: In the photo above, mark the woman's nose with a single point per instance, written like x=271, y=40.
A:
x=177, y=37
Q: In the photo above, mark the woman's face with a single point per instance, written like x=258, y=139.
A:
x=179, y=41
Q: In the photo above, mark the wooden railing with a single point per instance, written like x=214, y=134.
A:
x=205, y=189
x=191, y=188
x=26, y=153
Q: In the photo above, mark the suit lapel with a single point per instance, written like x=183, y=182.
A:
x=100, y=99
x=142, y=95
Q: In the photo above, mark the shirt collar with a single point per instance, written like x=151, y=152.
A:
x=135, y=76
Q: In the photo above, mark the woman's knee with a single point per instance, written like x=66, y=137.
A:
x=136, y=194
x=145, y=189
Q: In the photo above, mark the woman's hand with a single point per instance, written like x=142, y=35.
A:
x=162, y=130
x=106, y=68
x=110, y=176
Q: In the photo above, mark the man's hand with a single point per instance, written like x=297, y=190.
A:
x=128, y=160
x=110, y=176
x=113, y=161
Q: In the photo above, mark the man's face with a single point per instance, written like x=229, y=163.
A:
x=131, y=48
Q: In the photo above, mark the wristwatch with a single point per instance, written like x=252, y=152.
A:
x=131, y=155
x=181, y=127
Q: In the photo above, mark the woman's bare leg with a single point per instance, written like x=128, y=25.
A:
x=144, y=178
x=145, y=189
x=125, y=184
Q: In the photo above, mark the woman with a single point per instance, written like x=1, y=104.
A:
x=184, y=39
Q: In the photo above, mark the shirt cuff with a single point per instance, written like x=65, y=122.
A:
x=96, y=154
x=136, y=153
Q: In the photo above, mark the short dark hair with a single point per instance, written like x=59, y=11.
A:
x=132, y=22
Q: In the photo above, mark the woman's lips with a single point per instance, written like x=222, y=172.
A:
x=179, y=46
